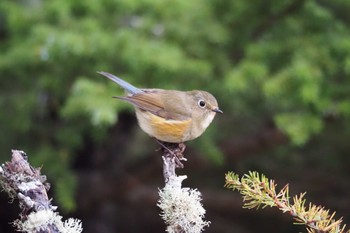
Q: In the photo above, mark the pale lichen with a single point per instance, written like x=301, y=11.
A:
x=39, y=220
x=181, y=207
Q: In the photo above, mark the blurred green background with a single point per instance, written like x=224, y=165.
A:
x=279, y=69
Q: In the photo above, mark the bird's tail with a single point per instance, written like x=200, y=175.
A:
x=125, y=85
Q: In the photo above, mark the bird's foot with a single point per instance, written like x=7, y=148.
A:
x=175, y=150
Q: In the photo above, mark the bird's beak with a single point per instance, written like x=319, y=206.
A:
x=217, y=110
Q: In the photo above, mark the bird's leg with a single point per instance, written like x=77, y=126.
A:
x=174, y=149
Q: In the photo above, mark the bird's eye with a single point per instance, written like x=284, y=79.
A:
x=201, y=103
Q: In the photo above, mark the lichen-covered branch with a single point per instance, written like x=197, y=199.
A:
x=181, y=208
x=257, y=190
x=19, y=179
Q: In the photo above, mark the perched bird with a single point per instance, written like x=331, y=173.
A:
x=170, y=115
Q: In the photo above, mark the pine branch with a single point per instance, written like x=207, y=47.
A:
x=257, y=190
x=19, y=179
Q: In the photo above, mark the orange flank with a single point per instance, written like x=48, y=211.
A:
x=167, y=130
x=170, y=128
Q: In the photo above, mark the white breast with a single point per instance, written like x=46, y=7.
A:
x=199, y=127
x=206, y=122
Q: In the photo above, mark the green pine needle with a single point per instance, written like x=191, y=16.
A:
x=257, y=190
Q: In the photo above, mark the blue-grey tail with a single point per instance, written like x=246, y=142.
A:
x=125, y=85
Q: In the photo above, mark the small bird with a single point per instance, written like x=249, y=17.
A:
x=169, y=115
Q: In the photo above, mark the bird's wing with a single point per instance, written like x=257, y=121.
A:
x=150, y=101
